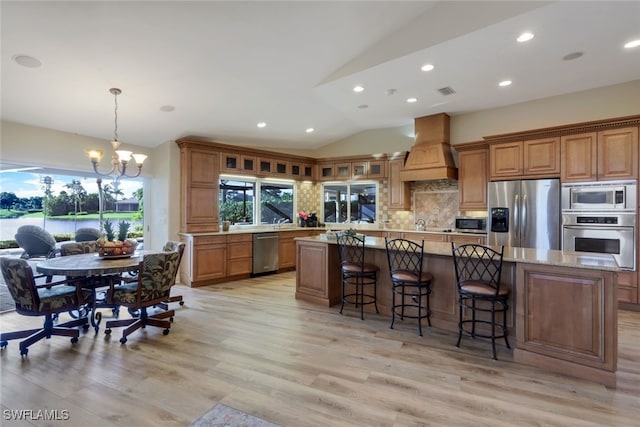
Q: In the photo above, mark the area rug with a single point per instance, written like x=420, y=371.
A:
x=224, y=416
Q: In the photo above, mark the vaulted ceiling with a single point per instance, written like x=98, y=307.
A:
x=220, y=68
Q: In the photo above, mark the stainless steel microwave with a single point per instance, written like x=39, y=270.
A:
x=599, y=196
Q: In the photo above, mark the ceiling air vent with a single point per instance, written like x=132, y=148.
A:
x=446, y=91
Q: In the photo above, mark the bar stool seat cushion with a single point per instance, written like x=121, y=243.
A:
x=350, y=267
x=478, y=288
x=409, y=276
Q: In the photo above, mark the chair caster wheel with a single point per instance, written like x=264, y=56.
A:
x=181, y=302
x=4, y=344
x=107, y=331
x=85, y=327
x=171, y=319
x=24, y=352
x=116, y=312
x=123, y=340
x=74, y=340
x=165, y=332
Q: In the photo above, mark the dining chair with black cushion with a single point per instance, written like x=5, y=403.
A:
x=35, y=241
x=357, y=275
x=46, y=300
x=410, y=286
x=94, y=282
x=156, y=276
x=478, y=269
x=173, y=246
x=87, y=234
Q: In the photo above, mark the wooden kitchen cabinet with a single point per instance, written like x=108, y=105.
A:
x=468, y=239
x=599, y=156
x=506, y=160
x=317, y=278
x=237, y=163
x=628, y=287
x=542, y=157
x=399, y=191
x=287, y=247
x=239, y=254
x=199, y=170
x=537, y=157
x=579, y=157
x=204, y=259
x=618, y=154
x=473, y=166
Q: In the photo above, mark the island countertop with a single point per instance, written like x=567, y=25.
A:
x=562, y=306
x=511, y=254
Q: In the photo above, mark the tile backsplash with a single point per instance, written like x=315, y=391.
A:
x=434, y=201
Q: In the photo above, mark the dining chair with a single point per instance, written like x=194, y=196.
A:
x=87, y=234
x=152, y=285
x=410, y=286
x=173, y=246
x=35, y=241
x=97, y=284
x=44, y=300
x=478, y=269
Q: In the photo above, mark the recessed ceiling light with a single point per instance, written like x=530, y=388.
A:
x=631, y=44
x=525, y=37
x=411, y=100
x=27, y=61
x=504, y=83
x=167, y=108
x=358, y=89
x=261, y=124
x=427, y=67
x=571, y=56
x=363, y=106
x=309, y=130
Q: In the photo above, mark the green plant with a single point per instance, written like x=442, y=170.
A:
x=123, y=229
x=108, y=229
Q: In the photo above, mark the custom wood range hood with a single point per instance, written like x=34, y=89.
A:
x=430, y=158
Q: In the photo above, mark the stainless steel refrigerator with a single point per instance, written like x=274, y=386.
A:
x=524, y=213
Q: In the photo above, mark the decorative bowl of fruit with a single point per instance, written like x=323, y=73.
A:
x=110, y=247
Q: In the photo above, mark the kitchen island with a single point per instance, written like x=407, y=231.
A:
x=563, y=307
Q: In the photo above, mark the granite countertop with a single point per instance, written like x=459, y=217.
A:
x=363, y=230
x=511, y=254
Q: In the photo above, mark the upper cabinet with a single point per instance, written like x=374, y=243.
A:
x=199, y=170
x=399, y=191
x=237, y=163
x=535, y=157
x=606, y=155
x=618, y=153
x=348, y=169
x=473, y=176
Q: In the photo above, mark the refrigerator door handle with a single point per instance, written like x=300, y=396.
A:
x=524, y=218
x=516, y=215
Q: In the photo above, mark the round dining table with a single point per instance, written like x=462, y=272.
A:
x=92, y=266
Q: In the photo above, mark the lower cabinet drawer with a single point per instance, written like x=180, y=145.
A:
x=239, y=266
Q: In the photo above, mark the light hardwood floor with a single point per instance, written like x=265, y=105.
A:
x=250, y=345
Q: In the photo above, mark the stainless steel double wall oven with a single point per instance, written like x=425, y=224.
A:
x=601, y=217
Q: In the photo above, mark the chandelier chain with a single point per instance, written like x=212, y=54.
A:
x=115, y=111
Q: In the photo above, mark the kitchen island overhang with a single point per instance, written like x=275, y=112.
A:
x=563, y=306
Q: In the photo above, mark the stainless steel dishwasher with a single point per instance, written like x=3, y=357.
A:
x=265, y=252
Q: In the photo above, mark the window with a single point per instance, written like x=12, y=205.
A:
x=344, y=203
x=239, y=200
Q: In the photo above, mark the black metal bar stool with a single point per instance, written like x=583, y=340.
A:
x=356, y=273
x=409, y=284
x=478, y=269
